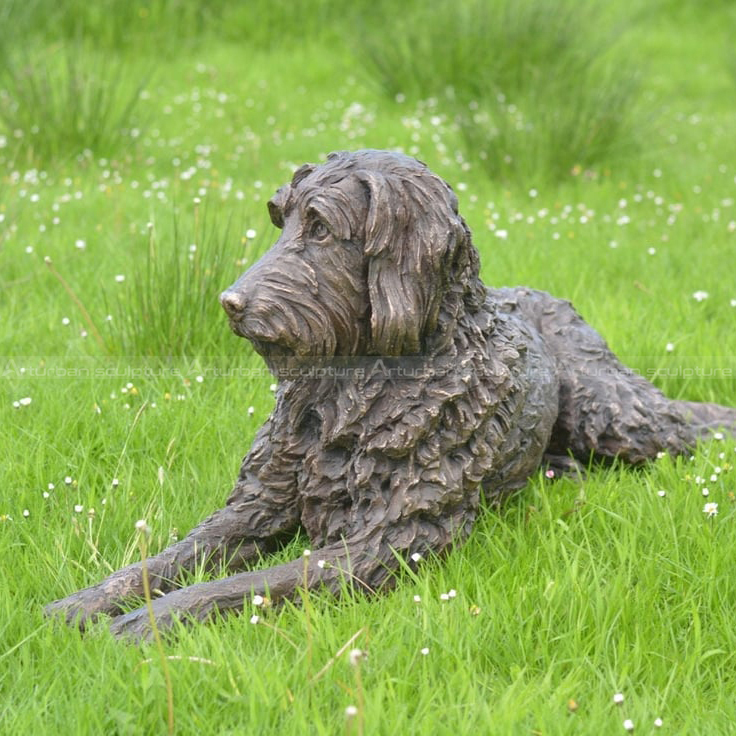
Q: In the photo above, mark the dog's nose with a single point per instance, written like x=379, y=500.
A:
x=233, y=302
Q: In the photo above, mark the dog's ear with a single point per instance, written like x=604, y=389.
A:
x=396, y=317
x=302, y=173
x=407, y=238
x=277, y=205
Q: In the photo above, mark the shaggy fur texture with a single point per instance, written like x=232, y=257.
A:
x=407, y=389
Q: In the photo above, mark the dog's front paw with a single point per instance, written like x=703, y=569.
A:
x=193, y=603
x=82, y=608
x=136, y=626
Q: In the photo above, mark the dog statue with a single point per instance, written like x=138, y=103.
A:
x=407, y=389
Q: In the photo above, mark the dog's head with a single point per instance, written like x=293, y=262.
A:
x=372, y=250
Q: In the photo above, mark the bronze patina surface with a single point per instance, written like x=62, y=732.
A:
x=407, y=389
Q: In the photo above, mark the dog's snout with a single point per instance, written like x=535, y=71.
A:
x=233, y=302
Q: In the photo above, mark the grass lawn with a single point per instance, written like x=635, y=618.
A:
x=139, y=144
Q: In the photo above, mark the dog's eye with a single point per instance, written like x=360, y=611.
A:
x=318, y=230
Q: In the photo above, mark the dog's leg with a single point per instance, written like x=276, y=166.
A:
x=227, y=537
x=610, y=412
x=256, y=518
x=707, y=418
x=607, y=410
x=364, y=563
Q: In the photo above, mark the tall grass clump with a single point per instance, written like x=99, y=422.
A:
x=155, y=27
x=537, y=87
x=171, y=307
x=171, y=28
x=61, y=99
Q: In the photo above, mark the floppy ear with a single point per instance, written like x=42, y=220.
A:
x=277, y=205
x=396, y=317
x=302, y=173
x=404, y=247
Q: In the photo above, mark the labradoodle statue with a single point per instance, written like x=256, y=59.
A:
x=406, y=389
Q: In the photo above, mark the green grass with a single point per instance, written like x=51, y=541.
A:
x=537, y=88
x=64, y=99
x=573, y=592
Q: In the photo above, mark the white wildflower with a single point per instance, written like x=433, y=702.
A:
x=354, y=656
x=711, y=509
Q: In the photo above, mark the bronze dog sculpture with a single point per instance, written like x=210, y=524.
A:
x=431, y=389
